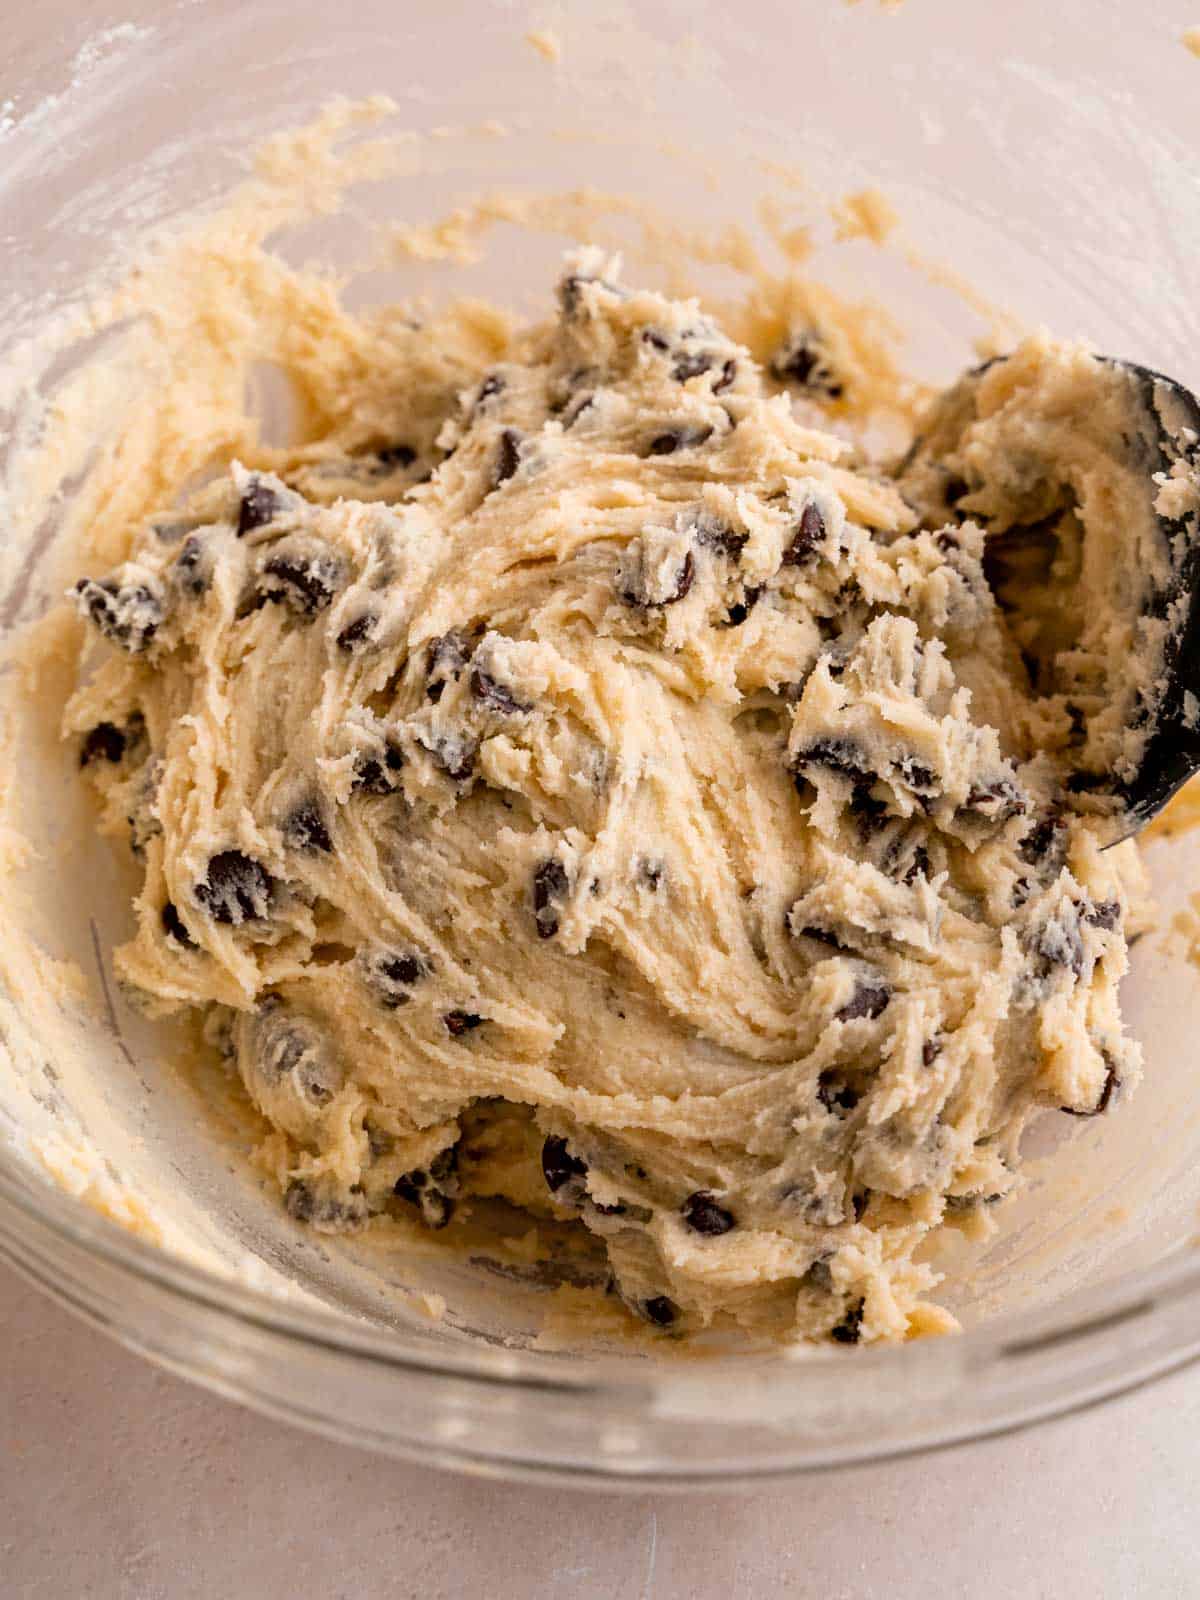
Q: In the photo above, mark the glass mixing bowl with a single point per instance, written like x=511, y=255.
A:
x=1046, y=158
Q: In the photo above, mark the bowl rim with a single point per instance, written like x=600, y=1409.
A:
x=1129, y=1295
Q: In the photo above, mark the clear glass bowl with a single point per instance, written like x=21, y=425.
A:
x=1047, y=160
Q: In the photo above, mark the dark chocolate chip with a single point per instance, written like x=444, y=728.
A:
x=375, y=776
x=104, y=742
x=702, y=1214
x=657, y=340
x=446, y=659
x=423, y=1190
x=304, y=581
x=494, y=695
x=691, y=366
x=1104, y=914
x=834, y=1093
x=835, y=755
x=822, y=936
x=305, y=829
x=491, y=386
x=129, y=616
x=870, y=999
x=236, y=889
x=454, y=754
x=550, y=885
x=728, y=375
x=801, y=361
x=357, y=633
x=651, y=874
x=191, y=565
x=259, y=506
x=559, y=1166
x=741, y=609
x=682, y=438
x=819, y=1276
x=660, y=1311
x=998, y=800
x=1046, y=836
x=174, y=926
x=395, y=974
x=930, y=1051
x=508, y=457
x=849, y=1329
x=1060, y=944
x=1112, y=1083
x=810, y=531
x=459, y=1022
x=920, y=778
x=683, y=584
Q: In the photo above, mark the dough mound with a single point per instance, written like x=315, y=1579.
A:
x=602, y=791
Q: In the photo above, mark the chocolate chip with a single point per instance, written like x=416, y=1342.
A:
x=691, y=366
x=550, y=885
x=849, y=1329
x=835, y=755
x=446, y=659
x=306, y=1203
x=300, y=576
x=651, y=874
x=129, y=616
x=821, y=935
x=659, y=1310
x=1086, y=782
x=919, y=865
x=508, y=457
x=682, y=438
x=920, y=778
x=859, y=1201
x=394, y=974
x=373, y=776
x=491, y=386
x=459, y=1022
x=702, y=1214
x=104, y=742
x=819, y=1276
x=998, y=800
x=259, y=506
x=930, y=1051
x=494, y=695
x=395, y=456
x=559, y=1166
x=683, y=583
x=1104, y=914
x=305, y=829
x=741, y=609
x=870, y=999
x=728, y=375
x=834, y=1093
x=433, y=1195
x=237, y=888
x=1059, y=942
x=174, y=926
x=454, y=753
x=810, y=531
x=1112, y=1083
x=357, y=633
x=1046, y=837
x=802, y=361
x=657, y=340
x=192, y=566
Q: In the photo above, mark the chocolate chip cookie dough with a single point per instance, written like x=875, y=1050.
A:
x=584, y=783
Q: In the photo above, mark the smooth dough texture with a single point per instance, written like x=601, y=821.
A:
x=588, y=785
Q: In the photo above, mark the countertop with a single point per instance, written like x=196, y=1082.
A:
x=120, y=1482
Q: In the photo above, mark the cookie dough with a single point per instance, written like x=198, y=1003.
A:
x=594, y=787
